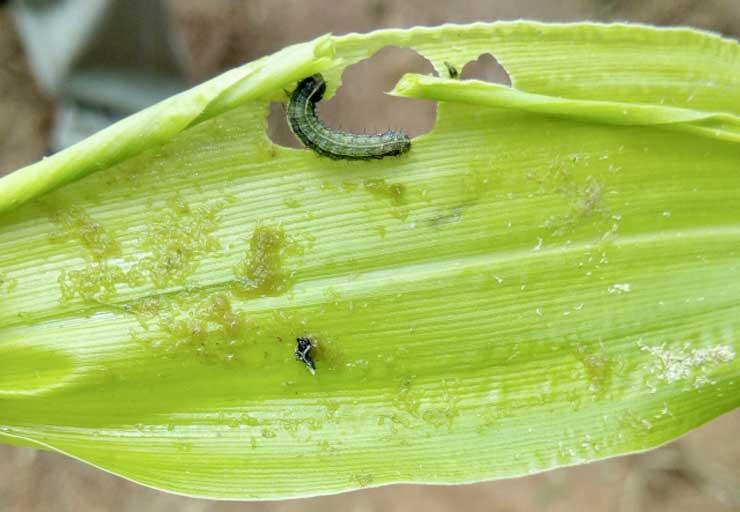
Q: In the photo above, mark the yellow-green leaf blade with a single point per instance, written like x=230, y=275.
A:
x=521, y=291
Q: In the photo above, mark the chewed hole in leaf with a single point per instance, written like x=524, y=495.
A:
x=361, y=106
x=486, y=68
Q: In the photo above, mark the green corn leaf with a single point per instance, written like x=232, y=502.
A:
x=549, y=277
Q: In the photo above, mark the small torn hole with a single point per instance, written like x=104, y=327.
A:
x=361, y=106
x=486, y=68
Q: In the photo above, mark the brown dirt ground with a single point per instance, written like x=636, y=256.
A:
x=701, y=471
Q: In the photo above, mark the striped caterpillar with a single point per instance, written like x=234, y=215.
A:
x=333, y=143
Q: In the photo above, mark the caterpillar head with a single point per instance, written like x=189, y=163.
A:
x=314, y=86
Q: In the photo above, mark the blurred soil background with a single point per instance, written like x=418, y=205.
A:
x=701, y=471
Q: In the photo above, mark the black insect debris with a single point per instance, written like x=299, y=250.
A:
x=303, y=347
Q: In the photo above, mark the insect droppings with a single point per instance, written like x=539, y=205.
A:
x=451, y=70
x=303, y=347
x=333, y=143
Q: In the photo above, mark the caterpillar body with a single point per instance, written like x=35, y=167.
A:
x=333, y=143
